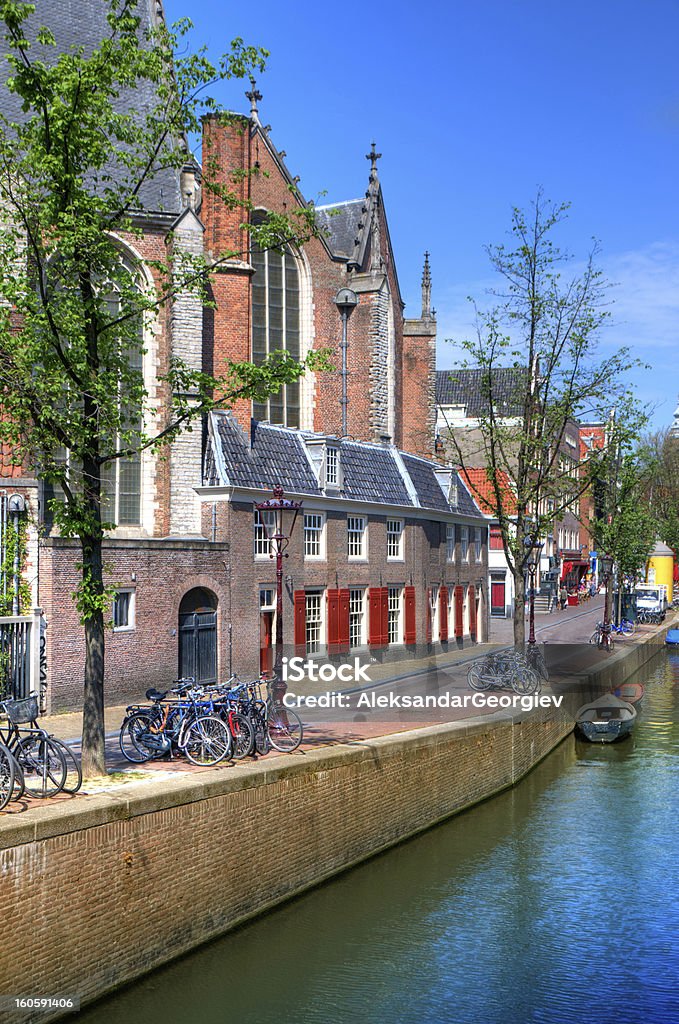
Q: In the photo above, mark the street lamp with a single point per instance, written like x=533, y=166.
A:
x=606, y=563
x=346, y=302
x=531, y=565
x=274, y=527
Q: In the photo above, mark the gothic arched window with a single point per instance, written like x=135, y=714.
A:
x=276, y=325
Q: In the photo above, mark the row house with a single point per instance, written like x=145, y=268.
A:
x=389, y=556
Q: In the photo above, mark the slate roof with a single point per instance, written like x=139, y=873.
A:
x=278, y=455
x=466, y=388
x=370, y=473
x=274, y=456
x=425, y=481
x=82, y=23
x=341, y=221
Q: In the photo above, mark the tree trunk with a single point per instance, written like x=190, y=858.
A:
x=93, y=735
x=519, y=608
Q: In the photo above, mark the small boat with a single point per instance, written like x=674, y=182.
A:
x=606, y=719
x=672, y=637
x=631, y=692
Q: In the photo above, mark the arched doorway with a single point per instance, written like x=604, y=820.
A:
x=198, y=635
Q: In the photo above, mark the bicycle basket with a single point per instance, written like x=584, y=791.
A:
x=22, y=712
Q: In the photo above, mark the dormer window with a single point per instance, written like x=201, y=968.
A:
x=331, y=466
x=452, y=493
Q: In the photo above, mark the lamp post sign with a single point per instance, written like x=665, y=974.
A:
x=275, y=527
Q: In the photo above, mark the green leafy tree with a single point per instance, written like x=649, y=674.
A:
x=539, y=369
x=661, y=454
x=73, y=171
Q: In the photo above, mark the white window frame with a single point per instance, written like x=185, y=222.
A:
x=317, y=623
x=478, y=544
x=128, y=626
x=332, y=479
x=318, y=530
x=464, y=543
x=261, y=541
x=395, y=550
x=450, y=542
x=357, y=617
x=360, y=537
x=395, y=617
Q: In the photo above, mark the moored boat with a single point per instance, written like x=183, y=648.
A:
x=631, y=692
x=672, y=637
x=606, y=719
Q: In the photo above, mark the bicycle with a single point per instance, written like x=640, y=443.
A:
x=41, y=758
x=500, y=669
x=603, y=636
x=187, y=723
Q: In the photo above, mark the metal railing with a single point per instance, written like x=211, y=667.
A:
x=20, y=655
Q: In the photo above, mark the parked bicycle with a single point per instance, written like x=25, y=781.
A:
x=181, y=719
x=503, y=669
x=46, y=766
x=603, y=636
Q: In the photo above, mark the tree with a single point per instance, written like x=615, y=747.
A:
x=536, y=354
x=626, y=528
x=661, y=456
x=73, y=172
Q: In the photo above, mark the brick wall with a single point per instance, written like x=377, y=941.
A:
x=97, y=897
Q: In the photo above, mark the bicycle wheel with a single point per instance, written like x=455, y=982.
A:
x=206, y=740
x=43, y=765
x=137, y=742
x=74, y=775
x=627, y=627
x=594, y=639
x=6, y=776
x=525, y=680
x=284, y=728
x=243, y=734
x=537, y=662
x=19, y=783
x=476, y=678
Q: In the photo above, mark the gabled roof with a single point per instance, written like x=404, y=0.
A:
x=467, y=388
x=370, y=473
x=344, y=223
x=483, y=492
x=82, y=23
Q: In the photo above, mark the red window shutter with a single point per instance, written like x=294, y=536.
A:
x=333, y=621
x=385, y=616
x=343, y=621
x=410, y=624
x=375, y=616
x=300, y=622
x=443, y=614
x=459, y=604
x=471, y=598
x=428, y=615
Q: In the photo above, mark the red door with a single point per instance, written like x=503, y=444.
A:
x=497, y=597
x=266, y=642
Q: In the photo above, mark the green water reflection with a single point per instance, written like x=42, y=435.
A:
x=555, y=902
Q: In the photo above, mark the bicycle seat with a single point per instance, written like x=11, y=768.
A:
x=154, y=694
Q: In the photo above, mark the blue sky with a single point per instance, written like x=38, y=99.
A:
x=474, y=104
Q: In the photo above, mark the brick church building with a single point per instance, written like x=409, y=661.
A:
x=390, y=553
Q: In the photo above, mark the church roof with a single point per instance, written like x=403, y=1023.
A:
x=344, y=223
x=82, y=23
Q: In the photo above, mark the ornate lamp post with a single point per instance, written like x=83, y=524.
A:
x=606, y=564
x=346, y=301
x=274, y=527
x=532, y=565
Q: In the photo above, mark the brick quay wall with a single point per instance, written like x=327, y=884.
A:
x=101, y=890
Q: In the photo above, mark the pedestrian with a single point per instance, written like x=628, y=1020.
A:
x=563, y=596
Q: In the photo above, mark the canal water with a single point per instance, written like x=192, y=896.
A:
x=554, y=902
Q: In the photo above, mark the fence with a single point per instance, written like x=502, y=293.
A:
x=20, y=654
